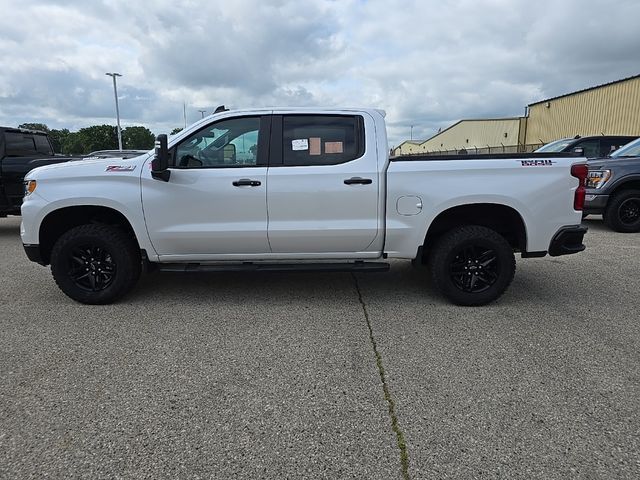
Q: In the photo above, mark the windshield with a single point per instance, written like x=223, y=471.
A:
x=629, y=150
x=557, y=146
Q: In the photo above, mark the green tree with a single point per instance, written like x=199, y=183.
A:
x=41, y=127
x=176, y=130
x=137, y=138
x=58, y=138
x=72, y=144
x=98, y=137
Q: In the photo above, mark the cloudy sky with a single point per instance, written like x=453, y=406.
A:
x=427, y=63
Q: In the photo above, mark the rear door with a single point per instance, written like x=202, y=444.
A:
x=323, y=185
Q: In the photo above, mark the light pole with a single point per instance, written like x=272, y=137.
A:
x=411, y=136
x=115, y=92
x=202, y=112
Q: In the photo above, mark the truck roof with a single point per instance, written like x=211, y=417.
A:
x=22, y=130
x=304, y=110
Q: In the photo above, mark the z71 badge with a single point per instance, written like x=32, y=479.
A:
x=120, y=168
x=537, y=163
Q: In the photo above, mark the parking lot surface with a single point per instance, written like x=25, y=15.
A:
x=325, y=375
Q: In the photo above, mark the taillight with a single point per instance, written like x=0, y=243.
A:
x=581, y=172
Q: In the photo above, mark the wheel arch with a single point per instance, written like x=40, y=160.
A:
x=61, y=220
x=499, y=217
x=626, y=183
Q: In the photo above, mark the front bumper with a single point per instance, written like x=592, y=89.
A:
x=595, y=204
x=567, y=241
x=33, y=253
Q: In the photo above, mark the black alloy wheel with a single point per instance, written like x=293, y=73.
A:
x=92, y=268
x=630, y=211
x=474, y=268
x=96, y=264
x=472, y=265
x=622, y=213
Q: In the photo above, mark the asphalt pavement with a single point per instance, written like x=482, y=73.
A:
x=371, y=376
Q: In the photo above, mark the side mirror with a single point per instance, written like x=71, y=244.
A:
x=579, y=150
x=160, y=163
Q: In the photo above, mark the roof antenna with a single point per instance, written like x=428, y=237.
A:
x=221, y=109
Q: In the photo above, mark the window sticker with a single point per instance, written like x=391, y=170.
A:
x=315, y=146
x=300, y=144
x=333, y=147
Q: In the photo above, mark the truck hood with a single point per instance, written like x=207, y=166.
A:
x=612, y=162
x=83, y=168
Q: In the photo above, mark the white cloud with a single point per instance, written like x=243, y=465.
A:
x=427, y=63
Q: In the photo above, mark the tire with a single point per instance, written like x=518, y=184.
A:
x=95, y=264
x=623, y=212
x=472, y=265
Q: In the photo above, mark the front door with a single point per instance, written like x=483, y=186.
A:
x=215, y=203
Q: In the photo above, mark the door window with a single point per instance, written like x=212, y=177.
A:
x=321, y=139
x=591, y=148
x=610, y=146
x=227, y=143
x=19, y=144
x=42, y=145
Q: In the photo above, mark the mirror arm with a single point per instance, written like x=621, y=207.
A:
x=164, y=175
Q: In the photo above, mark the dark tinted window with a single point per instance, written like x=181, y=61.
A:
x=42, y=145
x=591, y=148
x=321, y=139
x=19, y=144
x=610, y=146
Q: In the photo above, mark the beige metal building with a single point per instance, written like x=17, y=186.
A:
x=408, y=147
x=609, y=109
x=474, y=134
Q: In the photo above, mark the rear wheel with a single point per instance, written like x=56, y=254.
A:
x=95, y=264
x=472, y=265
x=623, y=212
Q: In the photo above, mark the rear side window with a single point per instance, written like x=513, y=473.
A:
x=19, y=144
x=321, y=139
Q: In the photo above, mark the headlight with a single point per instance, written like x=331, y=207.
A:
x=597, y=178
x=29, y=187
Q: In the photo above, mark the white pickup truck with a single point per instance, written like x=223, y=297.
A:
x=299, y=189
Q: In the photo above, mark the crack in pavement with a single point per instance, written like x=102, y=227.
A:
x=395, y=425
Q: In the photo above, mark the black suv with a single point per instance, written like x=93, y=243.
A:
x=614, y=188
x=590, y=147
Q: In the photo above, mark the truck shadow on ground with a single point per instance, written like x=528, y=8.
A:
x=403, y=284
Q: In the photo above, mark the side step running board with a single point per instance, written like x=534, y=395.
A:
x=275, y=267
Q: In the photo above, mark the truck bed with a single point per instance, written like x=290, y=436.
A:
x=482, y=156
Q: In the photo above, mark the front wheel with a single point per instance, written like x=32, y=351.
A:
x=95, y=264
x=472, y=265
x=623, y=212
